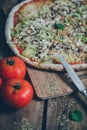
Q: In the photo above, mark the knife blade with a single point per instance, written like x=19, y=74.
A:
x=76, y=80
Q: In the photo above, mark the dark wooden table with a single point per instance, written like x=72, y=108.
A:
x=49, y=114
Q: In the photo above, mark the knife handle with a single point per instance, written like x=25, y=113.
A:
x=84, y=93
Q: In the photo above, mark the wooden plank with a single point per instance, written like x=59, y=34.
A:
x=4, y=48
x=7, y=5
x=81, y=74
x=58, y=113
x=31, y=116
x=48, y=84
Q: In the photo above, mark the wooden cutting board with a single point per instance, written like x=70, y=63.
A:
x=48, y=84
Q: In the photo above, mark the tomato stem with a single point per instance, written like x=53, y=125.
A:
x=17, y=86
x=10, y=61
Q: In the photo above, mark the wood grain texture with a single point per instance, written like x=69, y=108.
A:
x=12, y=119
x=58, y=113
x=48, y=84
x=7, y=5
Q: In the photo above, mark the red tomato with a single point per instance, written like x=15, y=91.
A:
x=17, y=93
x=1, y=82
x=12, y=67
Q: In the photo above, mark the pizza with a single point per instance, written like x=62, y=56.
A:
x=36, y=30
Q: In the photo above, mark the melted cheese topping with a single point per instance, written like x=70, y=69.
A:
x=56, y=26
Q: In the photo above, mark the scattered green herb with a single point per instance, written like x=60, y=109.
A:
x=59, y=26
x=22, y=125
x=76, y=115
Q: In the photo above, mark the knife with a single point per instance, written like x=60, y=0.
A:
x=76, y=80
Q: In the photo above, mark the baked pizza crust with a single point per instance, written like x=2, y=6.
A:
x=48, y=66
